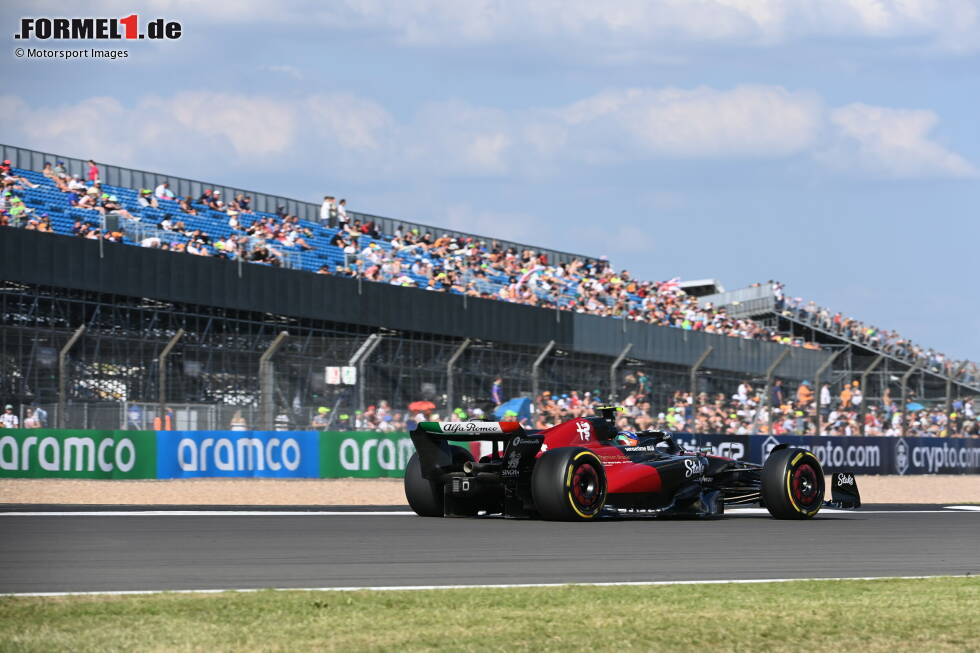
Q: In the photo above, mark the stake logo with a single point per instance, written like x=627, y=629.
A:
x=129, y=28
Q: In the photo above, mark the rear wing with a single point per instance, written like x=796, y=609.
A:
x=469, y=431
x=431, y=440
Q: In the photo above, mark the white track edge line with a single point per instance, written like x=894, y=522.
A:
x=949, y=510
x=418, y=588
x=211, y=513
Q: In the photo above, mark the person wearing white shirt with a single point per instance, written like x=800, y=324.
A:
x=342, y=213
x=328, y=210
x=9, y=420
x=825, y=399
x=163, y=191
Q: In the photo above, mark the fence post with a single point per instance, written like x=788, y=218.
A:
x=864, y=392
x=162, y=375
x=450, y=386
x=358, y=359
x=694, y=381
x=905, y=392
x=535, y=368
x=267, y=405
x=769, y=374
x=63, y=376
x=949, y=392
x=816, y=385
x=612, y=371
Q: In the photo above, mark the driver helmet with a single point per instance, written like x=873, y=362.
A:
x=627, y=438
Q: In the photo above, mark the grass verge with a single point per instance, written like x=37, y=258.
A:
x=883, y=615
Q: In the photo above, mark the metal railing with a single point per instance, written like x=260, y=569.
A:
x=139, y=231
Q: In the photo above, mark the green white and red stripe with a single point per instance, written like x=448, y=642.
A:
x=470, y=428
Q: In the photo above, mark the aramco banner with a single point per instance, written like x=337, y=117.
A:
x=248, y=454
x=364, y=455
x=51, y=453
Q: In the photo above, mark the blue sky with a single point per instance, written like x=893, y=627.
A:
x=832, y=145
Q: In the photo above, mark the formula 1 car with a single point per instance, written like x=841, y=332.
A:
x=577, y=471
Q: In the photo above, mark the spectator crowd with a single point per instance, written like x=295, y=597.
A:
x=230, y=228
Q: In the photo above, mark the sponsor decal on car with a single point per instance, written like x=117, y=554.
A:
x=470, y=427
x=694, y=467
x=512, y=465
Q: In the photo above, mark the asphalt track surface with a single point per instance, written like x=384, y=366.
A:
x=227, y=550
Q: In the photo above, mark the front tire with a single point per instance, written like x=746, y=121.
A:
x=792, y=484
x=424, y=496
x=568, y=484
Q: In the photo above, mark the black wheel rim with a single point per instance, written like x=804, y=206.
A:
x=805, y=486
x=586, y=488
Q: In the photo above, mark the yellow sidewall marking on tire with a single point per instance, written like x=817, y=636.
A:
x=789, y=488
x=568, y=485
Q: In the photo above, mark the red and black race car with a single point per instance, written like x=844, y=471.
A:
x=579, y=471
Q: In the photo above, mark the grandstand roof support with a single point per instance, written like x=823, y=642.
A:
x=63, y=376
x=359, y=358
x=769, y=374
x=816, y=384
x=612, y=370
x=162, y=372
x=949, y=391
x=267, y=404
x=694, y=376
x=450, y=398
x=864, y=390
x=905, y=392
x=535, y=367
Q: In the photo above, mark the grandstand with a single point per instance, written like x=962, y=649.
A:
x=572, y=323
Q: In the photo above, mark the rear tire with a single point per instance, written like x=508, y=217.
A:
x=568, y=484
x=424, y=496
x=792, y=484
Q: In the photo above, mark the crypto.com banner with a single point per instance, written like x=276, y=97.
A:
x=878, y=455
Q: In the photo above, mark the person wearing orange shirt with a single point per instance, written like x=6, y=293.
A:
x=804, y=394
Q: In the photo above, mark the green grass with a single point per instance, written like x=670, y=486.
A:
x=839, y=616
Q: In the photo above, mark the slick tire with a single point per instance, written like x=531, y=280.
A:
x=792, y=484
x=568, y=484
x=425, y=496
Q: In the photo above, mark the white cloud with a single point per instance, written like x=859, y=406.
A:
x=359, y=139
x=766, y=121
x=252, y=125
x=196, y=125
x=352, y=122
x=951, y=26
x=891, y=143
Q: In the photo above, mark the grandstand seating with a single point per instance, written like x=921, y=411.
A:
x=47, y=199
